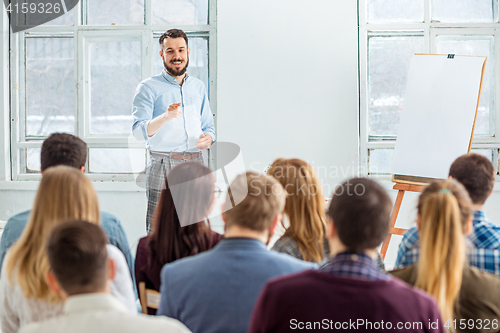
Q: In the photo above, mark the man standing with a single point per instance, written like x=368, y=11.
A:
x=172, y=114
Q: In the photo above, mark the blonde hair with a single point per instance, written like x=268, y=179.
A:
x=305, y=206
x=443, y=209
x=64, y=194
x=253, y=201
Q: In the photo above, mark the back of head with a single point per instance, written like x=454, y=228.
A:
x=305, y=205
x=263, y=199
x=476, y=173
x=191, y=187
x=78, y=257
x=179, y=229
x=361, y=210
x=64, y=194
x=443, y=209
x=63, y=149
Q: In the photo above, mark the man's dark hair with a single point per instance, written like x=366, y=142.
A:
x=361, y=211
x=476, y=173
x=173, y=33
x=78, y=257
x=63, y=149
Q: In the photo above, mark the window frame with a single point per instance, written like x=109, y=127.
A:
x=83, y=35
x=429, y=30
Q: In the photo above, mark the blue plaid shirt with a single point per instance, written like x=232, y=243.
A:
x=484, y=251
x=355, y=265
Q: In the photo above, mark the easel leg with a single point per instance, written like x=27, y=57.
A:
x=394, y=216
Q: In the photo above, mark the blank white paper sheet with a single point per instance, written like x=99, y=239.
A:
x=438, y=114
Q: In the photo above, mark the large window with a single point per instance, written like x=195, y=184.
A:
x=390, y=32
x=78, y=74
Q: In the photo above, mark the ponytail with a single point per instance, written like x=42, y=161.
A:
x=444, y=208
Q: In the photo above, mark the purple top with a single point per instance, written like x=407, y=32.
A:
x=151, y=275
x=322, y=300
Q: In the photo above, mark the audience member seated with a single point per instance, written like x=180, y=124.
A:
x=66, y=149
x=304, y=211
x=351, y=293
x=462, y=292
x=215, y=291
x=477, y=174
x=169, y=240
x=64, y=194
x=305, y=206
x=80, y=274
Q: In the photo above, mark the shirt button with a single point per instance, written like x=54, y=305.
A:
x=354, y=257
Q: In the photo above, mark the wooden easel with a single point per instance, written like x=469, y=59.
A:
x=417, y=184
x=401, y=187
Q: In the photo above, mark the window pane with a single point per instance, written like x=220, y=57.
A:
x=115, y=11
x=380, y=161
x=50, y=87
x=34, y=18
x=464, y=10
x=66, y=19
x=176, y=12
x=119, y=160
x=33, y=159
x=115, y=73
x=36, y=12
x=477, y=46
x=388, y=65
x=198, y=58
x=395, y=11
x=491, y=154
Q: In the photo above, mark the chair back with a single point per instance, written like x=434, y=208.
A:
x=149, y=298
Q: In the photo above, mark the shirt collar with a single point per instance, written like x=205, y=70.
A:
x=92, y=302
x=355, y=265
x=479, y=215
x=170, y=78
x=240, y=243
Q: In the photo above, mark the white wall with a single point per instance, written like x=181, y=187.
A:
x=287, y=82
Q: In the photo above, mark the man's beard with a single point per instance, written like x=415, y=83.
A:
x=175, y=72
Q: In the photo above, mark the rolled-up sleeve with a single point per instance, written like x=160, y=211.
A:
x=142, y=111
x=207, y=120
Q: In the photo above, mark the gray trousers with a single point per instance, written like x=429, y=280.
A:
x=156, y=172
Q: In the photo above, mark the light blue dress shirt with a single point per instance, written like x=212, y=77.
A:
x=152, y=98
